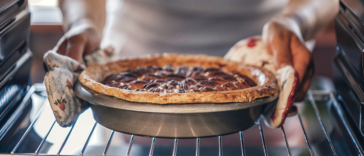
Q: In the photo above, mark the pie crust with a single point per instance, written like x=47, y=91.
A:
x=93, y=76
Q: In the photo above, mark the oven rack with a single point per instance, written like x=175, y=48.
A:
x=312, y=96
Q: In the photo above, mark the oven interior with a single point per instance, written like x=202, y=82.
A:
x=320, y=128
x=328, y=122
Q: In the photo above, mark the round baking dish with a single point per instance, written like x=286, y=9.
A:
x=172, y=121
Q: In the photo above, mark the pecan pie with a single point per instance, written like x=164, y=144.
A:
x=173, y=78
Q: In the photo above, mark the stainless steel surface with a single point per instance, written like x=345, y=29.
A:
x=66, y=139
x=27, y=131
x=356, y=84
x=350, y=40
x=349, y=28
x=197, y=147
x=9, y=8
x=220, y=145
x=285, y=141
x=26, y=57
x=130, y=145
x=350, y=76
x=306, y=138
x=313, y=103
x=152, y=147
x=262, y=136
x=17, y=112
x=172, y=121
x=88, y=139
x=349, y=61
x=108, y=143
x=242, y=143
x=14, y=34
x=44, y=139
x=175, y=147
x=356, y=7
x=361, y=118
x=344, y=120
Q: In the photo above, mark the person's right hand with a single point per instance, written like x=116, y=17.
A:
x=80, y=40
x=288, y=49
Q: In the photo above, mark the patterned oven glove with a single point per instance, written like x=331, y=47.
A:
x=63, y=73
x=253, y=52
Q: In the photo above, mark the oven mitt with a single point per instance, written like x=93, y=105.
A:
x=252, y=51
x=62, y=74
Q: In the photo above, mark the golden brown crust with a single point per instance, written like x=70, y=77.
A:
x=94, y=75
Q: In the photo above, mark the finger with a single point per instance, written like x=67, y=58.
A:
x=91, y=47
x=303, y=64
x=93, y=42
x=305, y=85
x=301, y=93
x=292, y=111
x=278, y=44
x=302, y=58
x=75, y=47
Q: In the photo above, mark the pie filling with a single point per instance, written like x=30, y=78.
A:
x=181, y=79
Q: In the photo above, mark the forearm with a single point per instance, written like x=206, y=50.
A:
x=307, y=17
x=76, y=12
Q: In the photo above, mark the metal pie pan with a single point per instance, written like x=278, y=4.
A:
x=172, y=120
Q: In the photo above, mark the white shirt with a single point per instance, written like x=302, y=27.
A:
x=139, y=27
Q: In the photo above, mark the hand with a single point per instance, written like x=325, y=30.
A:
x=79, y=41
x=288, y=49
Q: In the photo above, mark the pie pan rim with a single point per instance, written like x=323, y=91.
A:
x=266, y=87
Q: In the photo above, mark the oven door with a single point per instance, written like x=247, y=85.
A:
x=13, y=36
x=9, y=8
x=348, y=65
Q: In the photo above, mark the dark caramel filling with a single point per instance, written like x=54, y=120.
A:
x=181, y=79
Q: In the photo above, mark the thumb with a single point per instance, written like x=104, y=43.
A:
x=76, y=47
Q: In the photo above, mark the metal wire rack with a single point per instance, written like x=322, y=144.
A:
x=311, y=97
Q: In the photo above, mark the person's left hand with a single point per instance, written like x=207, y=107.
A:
x=288, y=49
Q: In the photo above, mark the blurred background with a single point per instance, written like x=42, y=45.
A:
x=46, y=30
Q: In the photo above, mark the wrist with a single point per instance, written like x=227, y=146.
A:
x=85, y=23
x=291, y=22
